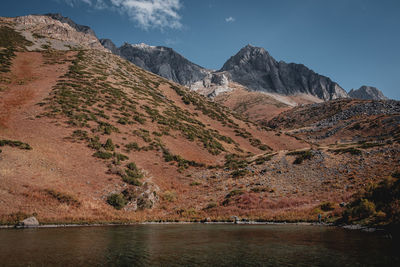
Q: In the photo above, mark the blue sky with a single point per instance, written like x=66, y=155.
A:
x=354, y=42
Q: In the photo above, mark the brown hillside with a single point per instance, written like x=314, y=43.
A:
x=86, y=136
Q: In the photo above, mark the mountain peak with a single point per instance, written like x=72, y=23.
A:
x=256, y=69
x=368, y=93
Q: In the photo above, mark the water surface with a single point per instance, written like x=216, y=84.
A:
x=196, y=245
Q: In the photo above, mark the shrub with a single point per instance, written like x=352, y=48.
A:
x=131, y=180
x=169, y=196
x=236, y=192
x=239, y=173
x=301, y=156
x=234, y=162
x=350, y=150
x=80, y=135
x=120, y=157
x=262, y=159
x=261, y=189
x=94, y=143
x=103, y=155
x=132, y=146
x=327, y=206
x=17, y=144
x=364, y=209
x=109, y=145
x=129, y=194
x=117, y=201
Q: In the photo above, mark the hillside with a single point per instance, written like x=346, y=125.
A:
x=344, y=120
x=86, y=136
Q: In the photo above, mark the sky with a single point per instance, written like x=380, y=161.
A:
x=354, y=42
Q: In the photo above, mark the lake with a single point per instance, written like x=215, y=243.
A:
x=196, y=245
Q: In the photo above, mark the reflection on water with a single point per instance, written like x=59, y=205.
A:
x=195, y=244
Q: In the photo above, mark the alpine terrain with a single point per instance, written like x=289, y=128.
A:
x=86, y=136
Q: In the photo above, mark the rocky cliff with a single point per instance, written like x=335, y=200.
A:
x=367, y=93
x=255, y=68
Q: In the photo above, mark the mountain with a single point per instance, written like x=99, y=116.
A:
x=86, y=136
x=367, y=93
x=254, y=68
x=160, y=60
x=251, y=67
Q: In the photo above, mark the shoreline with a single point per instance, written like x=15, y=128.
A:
x=67, y=225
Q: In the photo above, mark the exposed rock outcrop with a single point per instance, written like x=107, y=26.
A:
x=255, y=68
x=367, y=93
x=49, y=29
x=29, y=222
x=108, y=44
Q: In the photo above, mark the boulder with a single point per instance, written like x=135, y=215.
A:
x=29, y=222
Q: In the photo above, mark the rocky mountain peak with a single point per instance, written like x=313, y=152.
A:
x=368, y=93
x=256, y=69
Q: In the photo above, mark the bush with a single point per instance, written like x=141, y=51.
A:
x=350, y=150
x=169, y=196
x=17, y=144
x=117, y=201
x=94, y=143
x=301, y=156
x=234, y=162
x=239, y=173
x=364, y=209
x=120, y=157
x=327, y=206
x=109, y=145
x=131, y=180
x=236, y=192
x=261, y=189
x=132, y=146
x=103, y=155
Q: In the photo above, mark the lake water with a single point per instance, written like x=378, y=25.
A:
x=196, y=245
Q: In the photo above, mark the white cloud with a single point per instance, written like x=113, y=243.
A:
x=230, y=19
x=148, y=14
x=152, y=13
